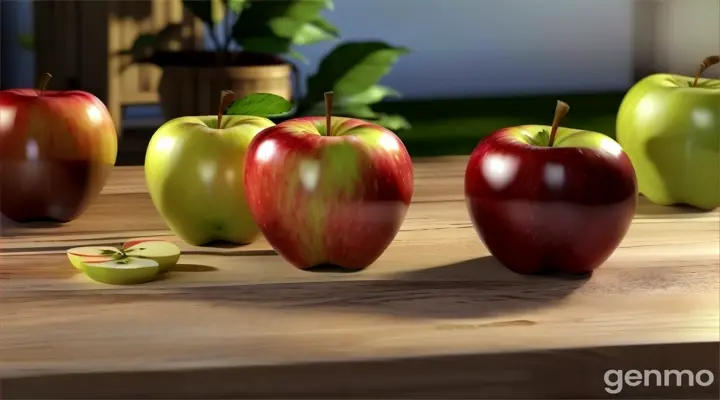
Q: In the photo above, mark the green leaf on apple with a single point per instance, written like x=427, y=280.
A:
x=352, y=68
x=266, y=105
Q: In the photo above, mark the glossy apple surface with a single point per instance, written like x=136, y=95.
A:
x=671, y=132
x=194, y=173
x=542, y=209
x=320, y=199
x=57, y=149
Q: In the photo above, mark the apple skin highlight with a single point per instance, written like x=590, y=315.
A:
x=549, y=209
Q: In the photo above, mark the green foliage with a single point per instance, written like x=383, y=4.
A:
x=352, y=69
x=26, y=41
x=260, y=105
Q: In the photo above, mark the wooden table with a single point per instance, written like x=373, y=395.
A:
x=435, y=317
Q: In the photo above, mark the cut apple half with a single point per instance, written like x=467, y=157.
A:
x=122, y=271
x=166, y=254
x=79, y=255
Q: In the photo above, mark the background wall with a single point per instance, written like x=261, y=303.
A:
x=688, y=32
x=490, y=47
x=16, y=64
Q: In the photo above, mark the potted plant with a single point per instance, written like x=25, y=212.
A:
x=254, y=47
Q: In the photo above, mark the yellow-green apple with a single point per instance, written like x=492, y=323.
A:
x=194, y=173
x=165, y=254
x=328, y=190
x=122, y=271
x=79, y=255
x=57, y=149
x=548, y=199
x=669, y=125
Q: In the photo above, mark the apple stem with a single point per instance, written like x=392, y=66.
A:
x=226, y=98
x=328, y=113
x=44, y=80
x=707, y=63
x=561, y=109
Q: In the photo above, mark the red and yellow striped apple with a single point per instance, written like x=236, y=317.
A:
x=328, y=196
x=57, y=149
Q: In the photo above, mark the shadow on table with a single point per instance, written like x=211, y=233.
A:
x=9, y=227
x=648, y=209
x=468, y=289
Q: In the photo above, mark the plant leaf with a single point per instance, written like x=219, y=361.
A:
x=357, y=111
x=26, y=41
x=316, y=31
x=235, y=6
x=143, y=46
x=374, y=94
x=260, y=105
x=393, y=122
x=209, y=11
x=353, y=67
x=278, y=18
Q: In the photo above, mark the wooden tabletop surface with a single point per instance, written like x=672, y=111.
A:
x=435, y=316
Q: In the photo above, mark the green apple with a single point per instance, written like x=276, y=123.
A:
x=194, y=169
x=122, y=271
x=669, y=126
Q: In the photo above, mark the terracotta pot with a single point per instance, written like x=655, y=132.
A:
x=194, y=87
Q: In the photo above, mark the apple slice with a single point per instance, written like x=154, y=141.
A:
x=166, y=254
x=79, y=255
x=123, y=271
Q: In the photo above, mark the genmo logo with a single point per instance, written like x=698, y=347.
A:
x=617, y=379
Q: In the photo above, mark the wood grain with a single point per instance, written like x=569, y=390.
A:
x=434, y=317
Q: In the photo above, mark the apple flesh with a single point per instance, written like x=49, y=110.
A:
x=671, y=132
x=79, y=255
x=194, y=173
x=57, y=149
x=123, y=271
x=336, y=199
x=166, y=254
x=541, y=209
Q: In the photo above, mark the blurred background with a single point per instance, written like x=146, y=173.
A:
x=474, y=65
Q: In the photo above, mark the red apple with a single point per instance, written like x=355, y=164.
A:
x=57, y=149
x=548, y=199
x=336, y=197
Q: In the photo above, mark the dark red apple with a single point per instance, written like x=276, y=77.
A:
x=57, y=149
x=548, y=199
x=328, y=196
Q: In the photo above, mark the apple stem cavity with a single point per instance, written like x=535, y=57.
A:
x=707, y=63
x=42, y=84
x=561, y=111
x=226, y=98
x=328, y=113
